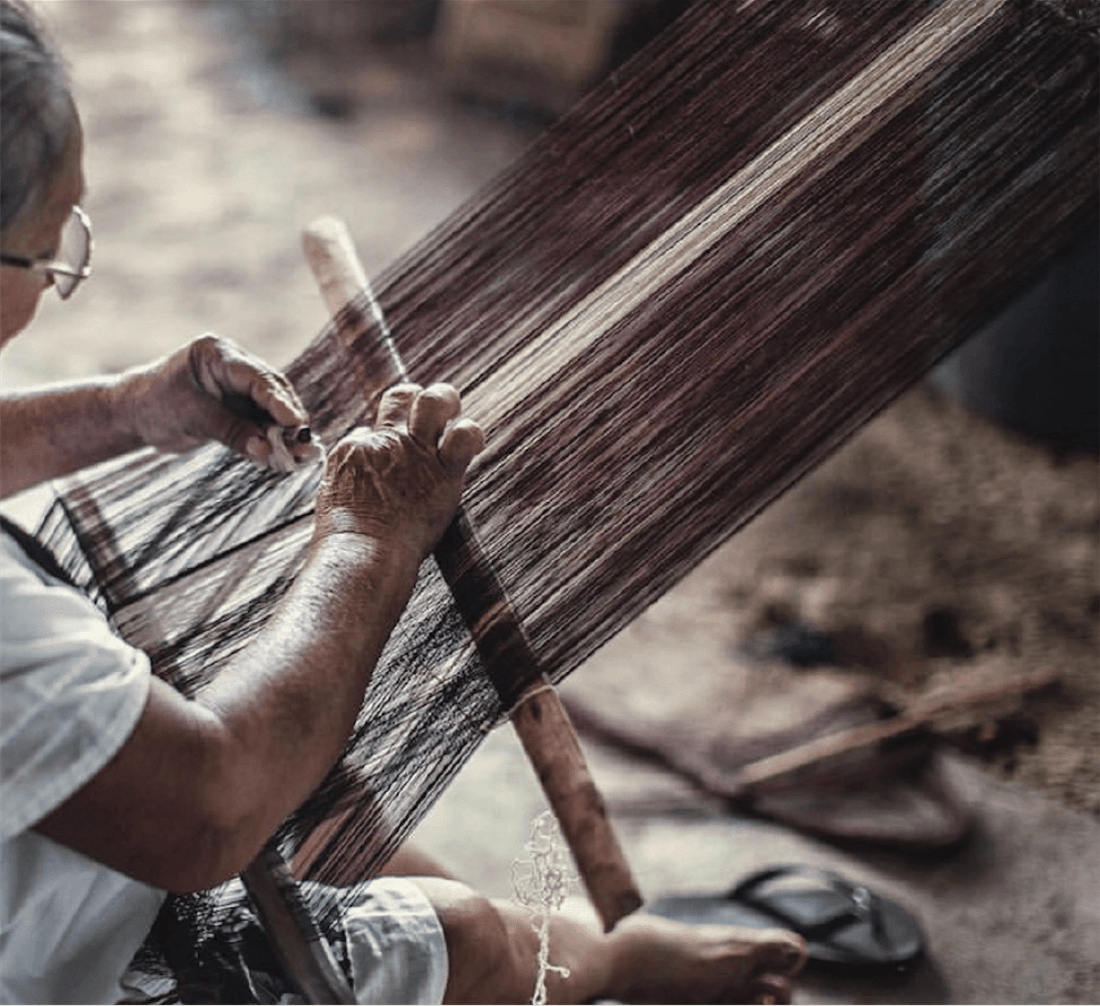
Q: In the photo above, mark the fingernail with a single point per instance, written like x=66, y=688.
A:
x=280, y=459
x=257, y=449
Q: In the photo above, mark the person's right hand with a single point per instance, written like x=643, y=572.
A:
x=211, y=389
x=400, y=481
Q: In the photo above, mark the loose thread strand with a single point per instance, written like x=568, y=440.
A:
x=541, y=884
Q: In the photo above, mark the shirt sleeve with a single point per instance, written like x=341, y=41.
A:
x=71, y=691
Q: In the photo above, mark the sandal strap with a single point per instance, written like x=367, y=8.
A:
x=864, y=903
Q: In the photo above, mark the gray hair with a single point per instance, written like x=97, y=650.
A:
x=37, y=114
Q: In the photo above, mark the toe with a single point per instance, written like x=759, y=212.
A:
x=780, y=952
x=770, y=990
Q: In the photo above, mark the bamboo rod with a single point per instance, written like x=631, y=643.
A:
x=537, y=715
x=300, y=946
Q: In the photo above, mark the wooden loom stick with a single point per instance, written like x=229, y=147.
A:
x=537, y=713
x=300, y=946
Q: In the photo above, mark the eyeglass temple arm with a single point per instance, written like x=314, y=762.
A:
x=46, y=265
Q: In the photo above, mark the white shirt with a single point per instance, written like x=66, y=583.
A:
x=71, y=692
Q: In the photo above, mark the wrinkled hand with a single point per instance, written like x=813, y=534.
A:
x=212, y=389
x=400, y=481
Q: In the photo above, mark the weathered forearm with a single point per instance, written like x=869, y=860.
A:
x=208, y=390
x=56, y=430
x=202, y=783
x=289, y=701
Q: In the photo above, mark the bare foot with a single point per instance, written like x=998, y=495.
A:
x=656, y=960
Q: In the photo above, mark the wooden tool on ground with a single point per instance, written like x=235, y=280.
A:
x=963, y=704
x=942, y=710
x=537, y=714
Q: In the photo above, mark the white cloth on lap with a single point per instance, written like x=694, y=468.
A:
x=396, y=944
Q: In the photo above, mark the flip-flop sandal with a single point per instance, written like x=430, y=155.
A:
x=843, y=923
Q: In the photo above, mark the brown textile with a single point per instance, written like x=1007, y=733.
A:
x=693, y=287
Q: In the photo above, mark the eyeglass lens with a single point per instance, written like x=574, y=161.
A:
x=75, y=251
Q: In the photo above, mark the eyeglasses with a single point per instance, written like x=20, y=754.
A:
x=74, y=256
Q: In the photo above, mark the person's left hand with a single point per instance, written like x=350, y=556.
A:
x=212, y=389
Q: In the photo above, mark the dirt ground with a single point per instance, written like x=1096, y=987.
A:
x=934, y=546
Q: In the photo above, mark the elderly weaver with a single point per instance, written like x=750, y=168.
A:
x=758, y=234
x=690, y=290
x=115, y=784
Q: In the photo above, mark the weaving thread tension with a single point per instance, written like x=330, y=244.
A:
x=536, y=713
x=540, y=720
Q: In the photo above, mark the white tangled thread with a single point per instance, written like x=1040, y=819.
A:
x=541, y=884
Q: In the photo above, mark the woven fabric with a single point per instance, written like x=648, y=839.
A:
x=692, y=288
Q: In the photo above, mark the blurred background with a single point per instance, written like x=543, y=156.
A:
x=955, y=540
